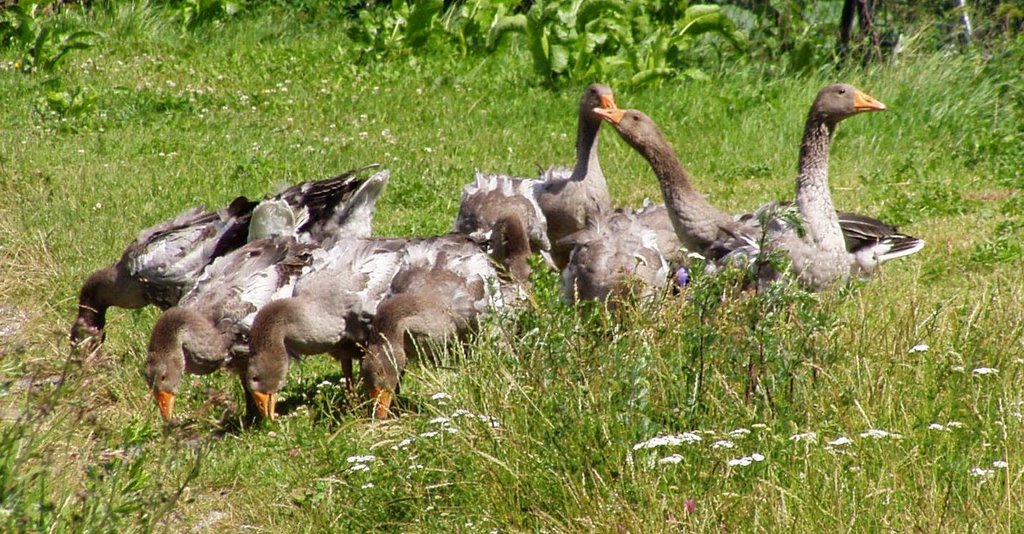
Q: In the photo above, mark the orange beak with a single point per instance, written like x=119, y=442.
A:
x=611, y=115
x=381, y=403
x=266, y=403
x=865, y=102
x=608, y=102
x=165, y=401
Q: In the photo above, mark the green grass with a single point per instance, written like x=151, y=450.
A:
x=170, y=121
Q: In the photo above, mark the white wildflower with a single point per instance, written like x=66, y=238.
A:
x=461, y=412
x=673, y=459
x=428, y=434
x=361, y=459
x=440, y=421
x=954, y=424
x=1000, y=464
x=662, y=441
x=739, y=432
x=403, y=444
x=981, y=371
x=920, y=347
x=840, y=441
x=356, y=468
x=981, y=472
x=937, y=426
x=368, y=485
x=440, y=396
x=809, y=437
x=492, y=421
x=880, y=434
x=723, y=444
x=746, y=460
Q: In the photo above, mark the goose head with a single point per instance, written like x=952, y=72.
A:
x=595, y=96
x=839, y=101
x=269, y=360
x=182, y=341
x=636, y=129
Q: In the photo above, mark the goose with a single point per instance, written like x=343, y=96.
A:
x=330, y=311
x=613, y=249
x=819, y=255
x=441, y=292
x=334, y=309
x=493, y=197
x=566, y=198
x=209, y=328
x=165, y=260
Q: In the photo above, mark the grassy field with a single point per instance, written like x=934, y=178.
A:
x=889, y=405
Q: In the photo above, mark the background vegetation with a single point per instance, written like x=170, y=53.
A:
x=893, y=404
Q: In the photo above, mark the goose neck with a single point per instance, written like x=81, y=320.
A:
x=588, y=166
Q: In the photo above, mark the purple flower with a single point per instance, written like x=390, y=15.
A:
x=691, y=506
x=682, y=277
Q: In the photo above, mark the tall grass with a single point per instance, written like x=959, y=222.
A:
x=544, y=421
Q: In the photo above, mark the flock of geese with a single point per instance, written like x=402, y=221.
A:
x=255, y=284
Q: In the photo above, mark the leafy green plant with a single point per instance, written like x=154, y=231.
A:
x=635, y=42
x=384, y=28
x=73, y=102
x=193, y=13
x=24, y=26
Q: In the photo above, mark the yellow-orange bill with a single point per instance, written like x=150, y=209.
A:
x=608, y=102
x=381, y=403
x=611, y=115
x=266, y=403
x=165, y=401
x=865, y=102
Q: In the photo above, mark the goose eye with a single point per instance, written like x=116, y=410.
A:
x=842, y=90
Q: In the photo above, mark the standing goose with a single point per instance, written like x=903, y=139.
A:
x=165, y=261
x=869, y=241
x=566, y=198
x=820, y=256
x=209, y=327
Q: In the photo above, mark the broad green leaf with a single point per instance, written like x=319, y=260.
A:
x=651, y=75
x=421, y=18
x=559, y=58
x=503, y=26
x=594, y=9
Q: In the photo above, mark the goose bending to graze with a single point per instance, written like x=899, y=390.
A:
x=333, y=308
x=330, y=312
x=614, y=252
x=439, y=294
x=165, y=260
x=567, y=198
x=209, y=327
x=819, y=255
